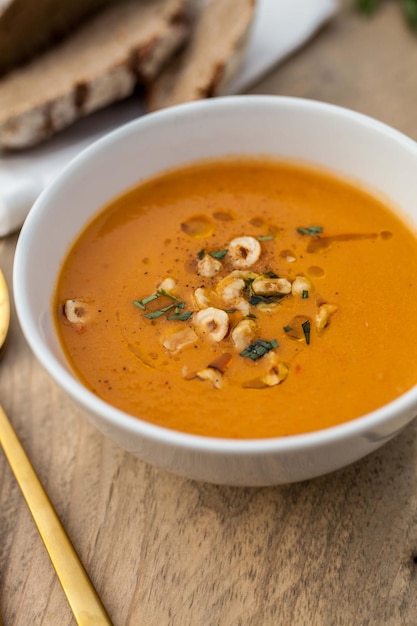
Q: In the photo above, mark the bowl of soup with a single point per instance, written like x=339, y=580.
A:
x=227, y=288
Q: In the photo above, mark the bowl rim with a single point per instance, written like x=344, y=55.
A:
x=359, y=426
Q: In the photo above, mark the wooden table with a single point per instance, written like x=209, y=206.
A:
x=162, y=550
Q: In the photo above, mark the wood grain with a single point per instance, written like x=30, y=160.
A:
x=162, y=550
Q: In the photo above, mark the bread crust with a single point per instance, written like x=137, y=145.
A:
x=211, y=57
x=28, y=27
x=89, y=70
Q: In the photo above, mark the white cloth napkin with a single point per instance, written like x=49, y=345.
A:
x=280, y=27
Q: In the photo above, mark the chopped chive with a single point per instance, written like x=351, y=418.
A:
x=182, y=317
x=304, y=295
x=271, y=274
x=255, y=299
x=312, y=231
x=149, y=299
x=266, y=237
x=162, y=292
x=287, y=328
x=306, y=326
x=219, y=254
x=154, y=314
x=251, y=316
x=141, y=304
x=201, y=254
x=230, y=310
x=257, y=349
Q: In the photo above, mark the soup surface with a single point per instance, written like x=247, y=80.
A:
x=242, y=298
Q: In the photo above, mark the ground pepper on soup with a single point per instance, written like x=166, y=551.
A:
x=242, y=298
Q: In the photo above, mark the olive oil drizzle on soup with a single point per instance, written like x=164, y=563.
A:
x=242, y=298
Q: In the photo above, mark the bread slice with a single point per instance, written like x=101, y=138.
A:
x=210, y=58
x=27, y=27
x=101, y=62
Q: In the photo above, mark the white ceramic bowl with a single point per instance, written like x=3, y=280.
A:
x=346, y=142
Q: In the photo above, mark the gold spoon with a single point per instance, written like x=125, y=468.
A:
x=81, y=595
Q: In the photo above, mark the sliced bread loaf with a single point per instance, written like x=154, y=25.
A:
x=101, y=62
x=211, y=56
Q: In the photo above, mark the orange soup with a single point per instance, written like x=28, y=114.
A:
x=242, y=298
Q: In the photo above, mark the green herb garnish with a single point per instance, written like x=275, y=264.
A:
x=266, y=237
x=182, y=317
x=216, y=254
x=142, y=303
x=271, y=275
x=154, y=314
x=255, y=299
x=219, y=254
x=304, y=295
x=306, y=326
x=177, y=305
x=312, y=231
x=257, y=349
x=162, y=292
x=251, y=316
x=287, y=328
x=149, y=298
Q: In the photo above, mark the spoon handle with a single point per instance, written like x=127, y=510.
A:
x=81, y=595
